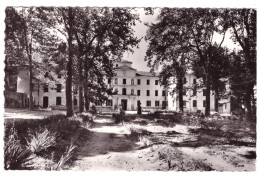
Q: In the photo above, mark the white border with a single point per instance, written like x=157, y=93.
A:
x=114, y=3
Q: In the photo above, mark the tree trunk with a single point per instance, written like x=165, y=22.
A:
x=86, y=99
x=207, y=109
x=69, y=67
x=86, y=91
x=248, y=105
x=216, y=98
x=80, y=86
x=30, y=82
x=180, y=89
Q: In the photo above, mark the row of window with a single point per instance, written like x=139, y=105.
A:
x=185, y=81
x=139, y=92
x=194, y=92
x=156, y=103
x=194, y=103
x=133, y=82
x=46, y=88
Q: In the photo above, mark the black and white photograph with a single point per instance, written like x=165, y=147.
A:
x=129, y=88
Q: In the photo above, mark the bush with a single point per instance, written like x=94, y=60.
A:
x=87, y=116
x=63, y=160
x=15, y=156
x=118, y=118
x=40, y=140
x=64, y=127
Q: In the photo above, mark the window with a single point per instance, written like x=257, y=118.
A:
x=138, y=103
x=116, y=65
x=115, y=91
x=194, y=81
x=109, y=80
x=148, y=93
x=58, y=100
x=59, y=75
x=58, y=87
x=194, y=92
x=132, y=91
x=45, y=88
x=184, y=80
x=139, y=81
x=124, y=81
x=163, y=93
x=156, y=82
x=132, y=82
x=173, y=103
x=138, y=92
x=109, y=103
x=124, y=91
x=116, y=80
x=184, y=104
x=75, y=101
x=148, y=103
x=156, y=92
x=204, y=103
x=148, y=82
x=194, y=103
x=204, y=92
x=157, y=103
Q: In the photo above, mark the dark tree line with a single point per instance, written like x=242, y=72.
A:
x=180, y=32
x=95, y=37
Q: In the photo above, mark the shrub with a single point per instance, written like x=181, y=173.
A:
x=144, y=141
x=118, y=118
x=87, y=116
x=65, y=127
x=40, y=140
x=63, y=160
x=15, y=156
x=137, y=133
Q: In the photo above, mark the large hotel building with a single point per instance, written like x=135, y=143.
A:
x=132, y=87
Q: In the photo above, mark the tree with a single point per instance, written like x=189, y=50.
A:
x=220, y=66
x=27, y=30
x=243, y=25
x=191, y=30
x=102, y=35
x=14, y=46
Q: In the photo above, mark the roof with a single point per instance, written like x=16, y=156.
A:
x=125, y=61
x=124, y=67
x=144, y=73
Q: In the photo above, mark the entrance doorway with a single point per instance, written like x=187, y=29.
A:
x=45, y=102
x=124, y=104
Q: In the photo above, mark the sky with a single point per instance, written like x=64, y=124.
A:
x=140, y=31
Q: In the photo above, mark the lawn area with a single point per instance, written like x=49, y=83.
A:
x=147, y=142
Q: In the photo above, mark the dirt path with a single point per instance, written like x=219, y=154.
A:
x=109, y=148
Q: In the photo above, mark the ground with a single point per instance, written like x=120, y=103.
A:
x=111, y=148
x=141, y=144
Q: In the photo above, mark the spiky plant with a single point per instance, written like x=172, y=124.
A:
x=40, y=140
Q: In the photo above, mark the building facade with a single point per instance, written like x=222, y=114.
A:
x=132, y=87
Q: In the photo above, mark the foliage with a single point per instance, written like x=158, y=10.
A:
x=118, y=118
x=63, y=160
x=15, y=156
x=87, y=116
x=40, y=140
